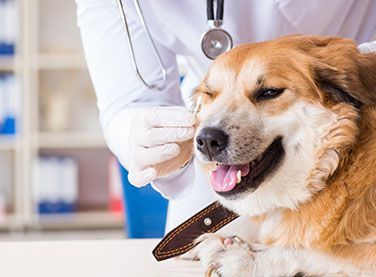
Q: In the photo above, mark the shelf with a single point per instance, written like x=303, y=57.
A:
x=97, y=219
x=7, y=63
x=10, y=222
x=60, y=61
x=70, y=140
x=43, y=63
x=8, y=143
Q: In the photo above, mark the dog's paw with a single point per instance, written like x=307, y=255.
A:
x=228, y=256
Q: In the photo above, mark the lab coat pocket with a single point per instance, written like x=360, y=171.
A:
x=314, y=16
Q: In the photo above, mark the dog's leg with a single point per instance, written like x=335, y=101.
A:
x=243, y=227
x=232, y=256
x=363, y=255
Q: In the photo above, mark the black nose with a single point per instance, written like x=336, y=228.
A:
x=211, y=141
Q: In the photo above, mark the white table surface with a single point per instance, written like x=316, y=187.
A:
x=107, y=258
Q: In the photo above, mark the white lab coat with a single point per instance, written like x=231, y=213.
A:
x=176, y=27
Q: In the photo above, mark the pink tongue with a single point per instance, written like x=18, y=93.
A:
x=224, y=178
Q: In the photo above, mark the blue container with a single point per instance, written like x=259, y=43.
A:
x=58, y=207
x=8, y=127
x=6, y=49
x=145, y=210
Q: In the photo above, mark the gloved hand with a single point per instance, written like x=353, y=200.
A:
x=151, y=142
x=367, y=47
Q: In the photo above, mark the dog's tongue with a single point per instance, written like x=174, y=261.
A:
x=224, y=177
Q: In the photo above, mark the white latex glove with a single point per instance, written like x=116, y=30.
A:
x=151, y=142
x=367, y=47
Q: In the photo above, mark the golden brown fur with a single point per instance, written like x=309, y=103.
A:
x=340, y=216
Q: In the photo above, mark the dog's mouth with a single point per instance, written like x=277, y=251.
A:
x=230, y=179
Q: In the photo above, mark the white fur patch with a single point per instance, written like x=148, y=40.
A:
x=221, y=78
x=258, y=260
x=302, y=126
x=250, y=72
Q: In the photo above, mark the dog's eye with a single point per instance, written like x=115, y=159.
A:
x=268, y=93
x=210, y=94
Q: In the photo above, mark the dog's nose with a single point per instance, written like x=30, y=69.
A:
x=211, y=141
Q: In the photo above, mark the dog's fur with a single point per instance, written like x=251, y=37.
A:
x=316, y=213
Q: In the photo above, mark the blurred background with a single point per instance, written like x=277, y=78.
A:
x=57, y=178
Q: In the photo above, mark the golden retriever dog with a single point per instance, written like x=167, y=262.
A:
x=287, y=136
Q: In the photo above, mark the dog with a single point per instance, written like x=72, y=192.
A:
x=287, y=136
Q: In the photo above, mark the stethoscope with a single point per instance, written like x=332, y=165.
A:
x=214, y=42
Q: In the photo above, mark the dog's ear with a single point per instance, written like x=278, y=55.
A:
x=342, y=71
x=366, y=75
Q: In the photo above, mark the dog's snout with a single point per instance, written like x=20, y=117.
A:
x=211, y=141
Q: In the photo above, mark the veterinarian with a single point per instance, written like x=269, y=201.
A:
x=147, y=122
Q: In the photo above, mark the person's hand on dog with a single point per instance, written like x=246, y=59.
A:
x=151, y=142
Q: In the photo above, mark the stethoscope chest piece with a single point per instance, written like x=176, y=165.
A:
x=215, y=42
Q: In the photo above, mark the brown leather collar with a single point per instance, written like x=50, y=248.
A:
x=182, y=239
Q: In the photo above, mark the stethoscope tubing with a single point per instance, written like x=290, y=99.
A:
x=210, y=10
x=214, y=22
x=154, y=85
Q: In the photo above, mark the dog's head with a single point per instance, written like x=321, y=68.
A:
x=276, y=117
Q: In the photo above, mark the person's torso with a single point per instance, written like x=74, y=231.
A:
x=180, y=24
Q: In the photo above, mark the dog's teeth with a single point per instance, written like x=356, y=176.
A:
x=239, y=176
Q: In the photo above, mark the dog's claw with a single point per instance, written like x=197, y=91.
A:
x=228, y=241
x=218, y=255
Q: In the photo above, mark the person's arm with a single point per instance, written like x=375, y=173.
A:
x=109, y=61
x=367, y=47
x=122, y=97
